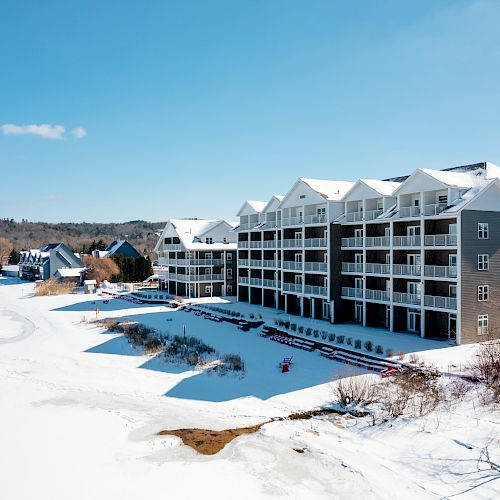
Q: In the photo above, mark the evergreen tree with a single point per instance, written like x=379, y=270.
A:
x=14, y=257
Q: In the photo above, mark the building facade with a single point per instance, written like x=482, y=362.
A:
x=415, y=254
x=197, y=258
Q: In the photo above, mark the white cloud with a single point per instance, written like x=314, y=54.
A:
x=45, y=131
x=79, y=132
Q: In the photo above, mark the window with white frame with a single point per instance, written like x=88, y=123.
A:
x=482, y=324
x=483, y=262
x=482, y=293
x=482, y=230
x=208, y=289
x=229, y=256
x=229, y=273
x=321, y=212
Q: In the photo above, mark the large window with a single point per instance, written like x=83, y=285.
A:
x=483, y=262
x=482, y=230
x=482, y=293
x=482, y=324
x=208, y=289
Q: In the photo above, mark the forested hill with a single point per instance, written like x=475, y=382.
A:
x=79, y=236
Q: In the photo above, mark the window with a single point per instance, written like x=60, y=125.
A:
x=302, y=196
x=224, y=240
x=229, y=256
x=482, y=293
x=442, y=199
x=209, y=240
x=208, y=270
x=229, y=273
x=208, y=289
x=483, y=262
x=321, y=211
x=208, y=256
x=482, y=324
x=482, y=230
x=229, y=289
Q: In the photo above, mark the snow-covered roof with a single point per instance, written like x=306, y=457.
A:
x=331, y=190
x=258, y=206
x=70, y=272
x=455, y=179
x=385, y=188
x=276, y=200
x=89, y=282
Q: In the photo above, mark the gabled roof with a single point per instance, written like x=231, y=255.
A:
x=375, y=187
x=276, y=199
x=251, y=207
x=330, y=190
x=117, y=245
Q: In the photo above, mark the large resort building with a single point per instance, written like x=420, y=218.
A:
x=197, y=258
x=417, y=253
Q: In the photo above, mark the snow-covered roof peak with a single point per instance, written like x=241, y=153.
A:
x=330, y=190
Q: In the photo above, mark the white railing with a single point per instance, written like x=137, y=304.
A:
x=196, y=277
x=352, y=267
x=292, y=265
x=269, y=263
x=315, y=242
x=440, y=302
x=377, y=241
x=315, y=290
x=381, y=295
x=255, y=282
x=409, y=211
x=354, y=216
x=172, y=247
x=376, y=268
x=406, y=270
x=440, y=240
x=270, y=283
x=246, y=227
x=269, y=244
x=440, y=271
x=273, y=223
x=243, y=262
x=321, y=267
x=294, y=243
x=243, y=280
x=293, y=221
x=373, y=214
x=163, y=261
x=352, y=242
x=434, y=209
x=256, y=244
x=406, y=298
x=406, y=241
x=196, y=262
x=315, y=219
x=243, y=244
x=292, y=287
x=352, y=292
x=255, y=263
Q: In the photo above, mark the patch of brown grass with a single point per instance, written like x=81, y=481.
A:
x=53, y=287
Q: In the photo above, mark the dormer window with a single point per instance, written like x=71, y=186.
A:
x=209, y=241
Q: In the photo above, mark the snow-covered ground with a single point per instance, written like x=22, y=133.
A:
x=80, y=409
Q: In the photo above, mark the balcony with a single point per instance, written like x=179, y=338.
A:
x=292, y=287
x=406, y=270
x=248, y=226
x=196, y=277
x=409, y=211
x=243, y=280
x=271, y=283
x=293, y=221
x=352, y=267
x=434, y=209
x=291, y=265
x=269, y=263
x=255, y=263
x=315, y=219
x=348, y=292
x=195, y=262
x=243, y=244
x=377, y=241
x=320, y=267
x=354, y=216
x=352, y=242
x=172, y=247
x=406, y=241
x=440, y=302
x=316, y=242
x=440, y=271
x=376, y=268
x=269, y=244
x=295, y=243
x=271, y=224
x=379, y=295
x=322, y=291
x=255, y=282
x=440, y=240
x=373, y=214
x=243, y=262
x=406, y=298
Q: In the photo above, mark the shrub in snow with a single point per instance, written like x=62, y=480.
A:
x=357, y=344
x=340, y=339
x=349, y=341
x=324, y=335
x=301, y=329
x=251, y=316
x=331, y=337
x=368, y=345
x=308, y=332
x=293, y=327
x=379, y=349
x=286, y=324
x=231, y=362
x=354, y=391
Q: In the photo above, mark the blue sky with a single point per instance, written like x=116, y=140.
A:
x=187, y=108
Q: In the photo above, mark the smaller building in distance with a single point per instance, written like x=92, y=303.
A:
x=197, y=258
x=118, y=248
x=55, y=260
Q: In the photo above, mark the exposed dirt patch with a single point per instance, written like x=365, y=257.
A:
x=209, y=442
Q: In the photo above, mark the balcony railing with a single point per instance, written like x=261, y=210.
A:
x=292, y=265
x=407, y=270
x=440, y=271
x=243, y=244
x=321, y=267
x=293, y=221
x=243, y=280
x=440, y=302
x=195, y=262
x=271, y=283
x=255, y=263
x=440, y=240
x=172, y=247
x=376, y=268
x=406, y=241
x=248, y=226
x=292, y=243
x=434, y=209
x=406, y=298
x=354, y=216
x=316, y=242
x=272, y=224
x=356, y=293
x=255, y=282
x=409, y=211
x=269, y=263
x=377, y=241
x=352, y=242
x=373, y=214
x=315, y=219
x=269, y=244
x=315, y=290
x=243, y=262
x=195, y=277
x=380, y=295
x=352, y=267
x=292, y=287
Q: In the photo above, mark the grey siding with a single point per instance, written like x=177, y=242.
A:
x=471, y=277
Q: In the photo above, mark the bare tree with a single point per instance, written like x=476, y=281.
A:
x=100, y=269
x=5, y=248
